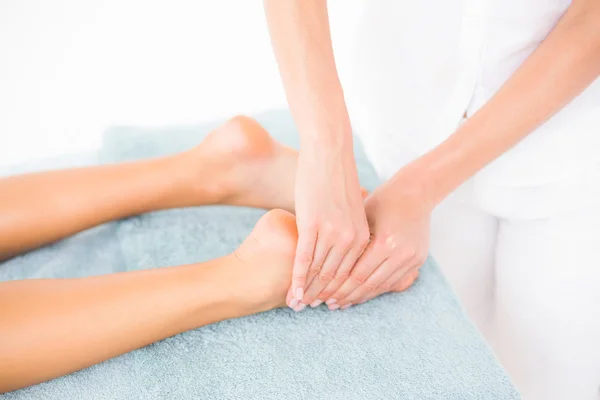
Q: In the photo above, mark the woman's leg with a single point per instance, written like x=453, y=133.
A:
x=237, y=164
x=546, y=329
x=74, y=323
x=51, y=327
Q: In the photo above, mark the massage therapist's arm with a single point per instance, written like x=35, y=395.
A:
x=330, y=212
x=564, y=64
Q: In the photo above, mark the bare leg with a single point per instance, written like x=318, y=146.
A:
x=238, y=164
x=74, y=323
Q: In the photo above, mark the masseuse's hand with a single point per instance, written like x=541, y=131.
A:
x=399, y=218
x=330, y=213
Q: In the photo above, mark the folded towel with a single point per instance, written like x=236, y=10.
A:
x=413, y=345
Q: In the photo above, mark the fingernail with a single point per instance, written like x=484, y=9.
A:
x=294, y=303
x=299, y=293
x=316, y=303
x=300, y=307
x=334, y=307
x=346, y=306
x=330, y=302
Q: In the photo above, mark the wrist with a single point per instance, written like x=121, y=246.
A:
x=420, y=180
x=327, y=139
x=436, y=174
x=326, y=134
x=328, y=154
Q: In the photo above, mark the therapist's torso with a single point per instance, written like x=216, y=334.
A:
x=416, y=67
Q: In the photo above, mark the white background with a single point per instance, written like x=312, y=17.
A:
x=71, y=68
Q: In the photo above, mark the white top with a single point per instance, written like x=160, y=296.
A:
x=416, y=67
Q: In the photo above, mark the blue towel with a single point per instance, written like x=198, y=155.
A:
x=413, y=345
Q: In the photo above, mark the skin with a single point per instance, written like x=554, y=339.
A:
x=75, y=323
x=238, y=164
x=332, y=224
x=399, y=211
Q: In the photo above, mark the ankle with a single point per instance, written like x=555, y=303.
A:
x=202, y=177
x=251, y=293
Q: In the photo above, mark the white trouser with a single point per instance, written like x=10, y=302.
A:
x=532, y=287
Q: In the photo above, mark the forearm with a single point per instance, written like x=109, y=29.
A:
x=301, y=41
x=563, y=65
x=51, y=327
x=39, y=208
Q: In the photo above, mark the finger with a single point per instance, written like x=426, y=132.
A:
x=342, y=274
x=304, y=257
x=312, y=273
x=322, y=279
x=309, y=281
x=397, y=282
x=289, y=298
x=310, y=278
x=400, y=281
x=364, y=267
x=405, y=281
x=321, y=251
x=371, y=295
x=383, y=279
x=371, y=285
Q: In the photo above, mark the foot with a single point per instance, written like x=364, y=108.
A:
x=240, y=164
x=264, y=262
x=266, y=258
x=247, y=166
